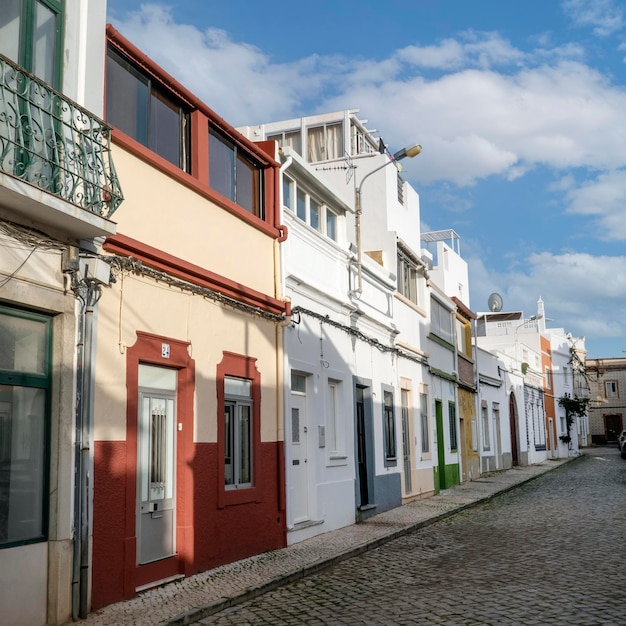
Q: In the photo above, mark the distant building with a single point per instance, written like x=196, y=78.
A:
x=607, y=407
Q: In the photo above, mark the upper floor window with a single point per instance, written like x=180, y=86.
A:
x=31, y=34
x=140, y=107
x=401, y=184
x=440, y=320
x=325, y=142
x=309, y=209
x=234, y=174
x=360, y=142
x=548, y=378
x=407, y=277
x=462, y=333
x=288, y=139
x=610, y=387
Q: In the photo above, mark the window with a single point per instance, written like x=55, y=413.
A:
x=462, y=344
x=452, y=421
x=335, y=439
x=407, y=276
x=400, y=183
x=140, y=107
x=548, y=378
x=234, y=174
x=389, y=426
x=289, y=139
x=31, y=34
x=484, y=410
x=325, y=142
x=424, y=423
x=360, y=142
x=237, y=432
x=309, y=209
x=440, y=320
x=610, y=387
x=25, y=358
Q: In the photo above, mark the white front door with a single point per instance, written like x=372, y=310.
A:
x=156, y=463
x=299, y=468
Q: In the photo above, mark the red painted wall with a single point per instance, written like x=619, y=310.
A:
x=218, y=535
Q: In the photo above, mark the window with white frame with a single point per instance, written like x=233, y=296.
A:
x=484, y=410
x=334, y=437
x=360, y=142
x=610, y=387
x=288, y=139
x=424, y=431
x=407, y=276
x=461, y=337
x=441, y=321
x=237, y=432
x=548, y=378
x=309, y=209
x=325, y=142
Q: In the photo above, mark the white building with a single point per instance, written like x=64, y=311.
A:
x=361, y=307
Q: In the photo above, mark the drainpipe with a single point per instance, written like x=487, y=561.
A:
x=282, y=365
x=87, y=291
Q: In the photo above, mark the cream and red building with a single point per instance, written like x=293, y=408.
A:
x=188, y=427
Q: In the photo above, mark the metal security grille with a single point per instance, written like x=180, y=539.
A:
x=158, y=425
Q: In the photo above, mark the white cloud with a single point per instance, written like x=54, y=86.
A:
x=473, y=123
x=604, y=16
x=605, y=198
x=216, y=69
x=482, y=50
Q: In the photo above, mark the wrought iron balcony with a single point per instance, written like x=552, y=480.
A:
x=53, y=143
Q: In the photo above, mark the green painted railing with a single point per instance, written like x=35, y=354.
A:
x=50, y=141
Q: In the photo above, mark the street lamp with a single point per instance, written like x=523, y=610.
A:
x=401, y=154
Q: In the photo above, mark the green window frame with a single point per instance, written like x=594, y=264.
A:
x=25, y=381
x=29, y=31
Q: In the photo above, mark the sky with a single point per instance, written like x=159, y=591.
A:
x=520, y=108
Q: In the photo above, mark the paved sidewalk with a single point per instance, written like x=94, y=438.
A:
x=190, y=599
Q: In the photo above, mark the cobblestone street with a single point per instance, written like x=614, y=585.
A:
x=549, y=552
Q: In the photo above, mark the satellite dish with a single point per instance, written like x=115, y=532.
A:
x=495, y=302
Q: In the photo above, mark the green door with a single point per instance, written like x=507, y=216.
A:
x=440, y=474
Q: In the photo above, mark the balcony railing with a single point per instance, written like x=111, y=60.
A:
x=53, y=143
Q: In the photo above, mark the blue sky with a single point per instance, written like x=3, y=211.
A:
x=520, y=108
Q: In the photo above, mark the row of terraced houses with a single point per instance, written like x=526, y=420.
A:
x=215, y=342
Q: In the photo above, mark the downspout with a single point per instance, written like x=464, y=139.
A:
x=88, y=292
x=282, y=364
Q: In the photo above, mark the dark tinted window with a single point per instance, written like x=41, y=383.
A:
x=234, y=174
x=139, y=107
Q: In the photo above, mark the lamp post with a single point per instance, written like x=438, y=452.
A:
x=401, y=154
